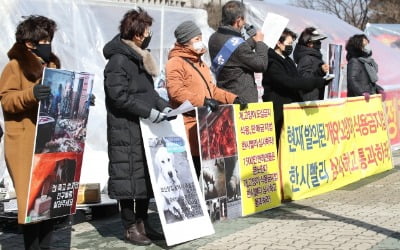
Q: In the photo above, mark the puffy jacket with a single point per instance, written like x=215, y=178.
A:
x=358, y=81
x=130, y=94
x=185, y=83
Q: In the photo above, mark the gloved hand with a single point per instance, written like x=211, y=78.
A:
x=41, y=91
x=241, y=102
x=366, y=96
x=157, y=116
x=166, y=110
x=92, y=99
x=383, y=94
x=211, y=103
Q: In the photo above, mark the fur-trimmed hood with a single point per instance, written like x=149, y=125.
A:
x=29, y=63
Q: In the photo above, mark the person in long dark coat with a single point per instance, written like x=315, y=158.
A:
x=130, y=95
x=362, y=70
x=282, y=82
x=308, y=57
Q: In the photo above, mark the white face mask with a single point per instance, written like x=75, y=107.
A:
x=199, y=46
x=367, y=49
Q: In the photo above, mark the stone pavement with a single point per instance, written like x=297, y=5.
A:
x=363, y=215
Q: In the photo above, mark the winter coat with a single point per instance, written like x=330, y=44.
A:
x=237, y=75
x=130, y=94
x=282, y=83
x=309, y=62
x=185, y=83
x=358, y=80
x=20, y=109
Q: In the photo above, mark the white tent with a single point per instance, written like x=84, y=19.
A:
x=337, y=30
x=388, y=34
x=83, y=29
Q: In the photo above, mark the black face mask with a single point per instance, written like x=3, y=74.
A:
x=317, y=45
x=146, y=42
x=43, y=51
x=288, y=50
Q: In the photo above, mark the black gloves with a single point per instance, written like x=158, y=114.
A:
x=211, y=103
x=241, y=102
x=41, y=91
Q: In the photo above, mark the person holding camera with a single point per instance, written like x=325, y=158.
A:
x=189, y=78
x=282, y=83
x=235, y=60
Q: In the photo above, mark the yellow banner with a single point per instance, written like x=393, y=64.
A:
x=259, y=171
x=329, y=144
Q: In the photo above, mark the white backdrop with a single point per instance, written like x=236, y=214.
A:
x=84, y=27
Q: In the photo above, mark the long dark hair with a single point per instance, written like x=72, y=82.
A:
x=134, y=23
x=354, y=46
x=34, y=29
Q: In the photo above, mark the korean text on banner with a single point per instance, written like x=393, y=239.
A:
x=321, y=152
x=259, y=171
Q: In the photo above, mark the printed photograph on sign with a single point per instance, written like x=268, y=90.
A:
x=63, y=115
x=179, y=197
x=217, y=209
x=56, y=181
x=218, y=136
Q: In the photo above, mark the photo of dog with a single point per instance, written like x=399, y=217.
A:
x=174, y=181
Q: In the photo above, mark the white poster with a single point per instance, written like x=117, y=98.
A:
x=273, y=27
x=180, y=203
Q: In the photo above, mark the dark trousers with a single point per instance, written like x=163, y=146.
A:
x=132, y=210
x=38, y=235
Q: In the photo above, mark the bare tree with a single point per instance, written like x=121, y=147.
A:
x=214, y=14
x=354, y=12
x=385, y=11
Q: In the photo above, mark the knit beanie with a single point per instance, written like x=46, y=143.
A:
x=186, y=31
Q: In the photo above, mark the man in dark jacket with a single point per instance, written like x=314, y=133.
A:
x=308, y=58
x=237, y=74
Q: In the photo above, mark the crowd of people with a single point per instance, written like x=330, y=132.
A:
x=130, y=95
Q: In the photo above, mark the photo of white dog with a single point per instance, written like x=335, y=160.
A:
x=172, y=191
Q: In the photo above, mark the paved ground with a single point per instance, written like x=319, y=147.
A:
x=364, y=215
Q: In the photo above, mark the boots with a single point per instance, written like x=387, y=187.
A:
x=135, y=236
x=144, y=228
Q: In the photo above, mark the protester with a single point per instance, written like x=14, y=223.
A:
x=282, y=82
x=20, y=93
x=189, y=78
x=362, y=69
x=130, y=95
x=235, y=60
x=307, y=55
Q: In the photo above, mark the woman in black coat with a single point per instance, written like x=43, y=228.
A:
x=282, y=82
x=307, y=55
x=130, y=95
x=362, y=69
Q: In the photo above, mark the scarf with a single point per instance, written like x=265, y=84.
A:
x=149, y=63
x=371, y=67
